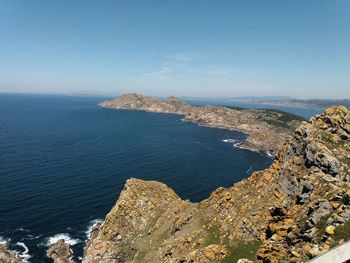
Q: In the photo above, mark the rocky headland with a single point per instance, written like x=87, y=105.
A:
x=267, y=130
x=293, y=211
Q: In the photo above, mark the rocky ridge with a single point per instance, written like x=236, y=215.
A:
x=295, y=210
x=267, y=130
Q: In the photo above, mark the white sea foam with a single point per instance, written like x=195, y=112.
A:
x=230, y=140
x=23, y=229
x=235, y=143
x=2, y=240
x=250, y=169
x=68, y=239
x=32, y=237
x=91, y=226
x=270, y=155
x=25, y=254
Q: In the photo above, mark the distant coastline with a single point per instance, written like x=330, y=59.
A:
x=319, y=104
x=267, y=129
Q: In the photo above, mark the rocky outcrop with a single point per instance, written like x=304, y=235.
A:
x=60, y=252
x=267, y=130
x=293, y=211
x=314, y=186
x=7, y=256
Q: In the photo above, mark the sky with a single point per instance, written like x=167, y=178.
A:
x=197, y=48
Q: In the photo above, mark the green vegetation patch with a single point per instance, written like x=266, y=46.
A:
x=213, y=236
x=242, y=250
x=330, y=142
x=234, y=107
x=236, y=249
x=342, y=232
x=277, y=118
x=285, y=116
x=321, y=226
x=141, y=256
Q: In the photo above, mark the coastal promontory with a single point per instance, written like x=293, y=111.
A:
x=267, y=130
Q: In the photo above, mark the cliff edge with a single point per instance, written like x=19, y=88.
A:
x=293, y=211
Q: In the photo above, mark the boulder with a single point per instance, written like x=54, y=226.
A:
x=330, y=230
x=324, y=208
x=318, y=155
x=244, y=260
x=60, y=252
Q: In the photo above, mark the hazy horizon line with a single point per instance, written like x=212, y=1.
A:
x=117, y=94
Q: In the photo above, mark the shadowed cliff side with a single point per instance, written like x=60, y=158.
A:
x=291, y=212
x=267, y=130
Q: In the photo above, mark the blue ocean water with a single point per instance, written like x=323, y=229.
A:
x=64, y=161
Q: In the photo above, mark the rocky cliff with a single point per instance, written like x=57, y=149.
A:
x=267, y=130
x=296, y=209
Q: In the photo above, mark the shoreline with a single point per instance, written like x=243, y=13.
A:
x=245, y=145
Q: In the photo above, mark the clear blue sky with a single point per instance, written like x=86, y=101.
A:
x=179, y=47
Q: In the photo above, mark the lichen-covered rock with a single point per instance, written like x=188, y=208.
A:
x=293, y=209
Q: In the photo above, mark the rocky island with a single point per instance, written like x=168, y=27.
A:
x=293, y=211
x=267, y=130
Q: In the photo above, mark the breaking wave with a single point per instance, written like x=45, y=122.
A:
x=25, y=253
x=91, y=226
x=236, y=143
x=2, y=240
x=67, y=238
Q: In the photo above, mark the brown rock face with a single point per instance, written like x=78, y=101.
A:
x=60, y=252
x=267, y=130
x=291, y=212
x=8, y=257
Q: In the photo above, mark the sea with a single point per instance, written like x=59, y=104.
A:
x=64, y=161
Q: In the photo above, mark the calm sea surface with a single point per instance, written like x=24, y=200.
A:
x=64, y=161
